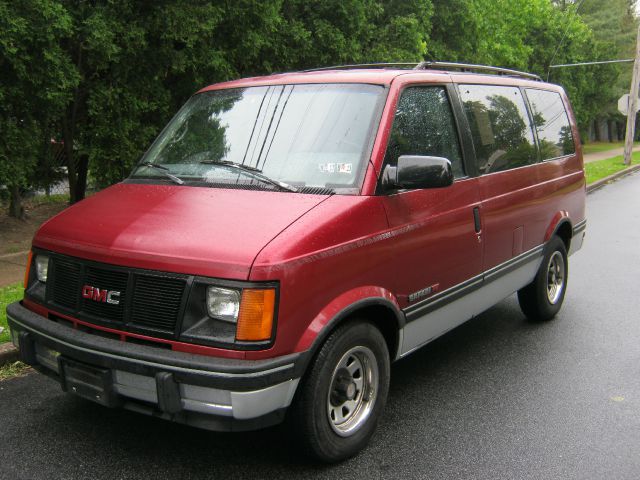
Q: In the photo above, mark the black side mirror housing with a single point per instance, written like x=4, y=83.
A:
x=417, y=171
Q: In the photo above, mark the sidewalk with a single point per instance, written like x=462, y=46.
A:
x=594, y=157
x=12, y=268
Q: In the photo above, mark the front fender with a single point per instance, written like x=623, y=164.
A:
x=343, y=306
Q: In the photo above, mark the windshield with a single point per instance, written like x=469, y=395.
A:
x=306, y=138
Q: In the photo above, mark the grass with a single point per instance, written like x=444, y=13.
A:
x=603, y=168
x=46, y=200
x=36, y=201
x=13, y=369
x=14, y=248
x=596, y=147
x=8, y=294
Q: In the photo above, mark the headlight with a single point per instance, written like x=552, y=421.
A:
x=234, y=313
x=42, y=267
x=223, y=303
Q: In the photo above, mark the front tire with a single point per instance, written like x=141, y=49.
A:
x=541, y=299
x=338, y=405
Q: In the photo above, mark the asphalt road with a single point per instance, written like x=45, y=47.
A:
x=496, y=398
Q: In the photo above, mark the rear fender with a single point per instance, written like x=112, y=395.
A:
x=557, y=221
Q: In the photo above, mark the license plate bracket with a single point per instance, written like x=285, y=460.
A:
x=87, y=381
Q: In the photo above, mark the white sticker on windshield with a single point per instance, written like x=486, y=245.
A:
x=327, y=167
x=344, y=167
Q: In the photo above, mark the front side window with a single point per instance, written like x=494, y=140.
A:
x=552, y=123
x=310, y=136
x=424, y=125
x=500, y=127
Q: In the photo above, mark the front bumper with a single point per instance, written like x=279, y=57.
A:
x=207, y=392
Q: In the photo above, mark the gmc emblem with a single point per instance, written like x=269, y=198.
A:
x=101, y=295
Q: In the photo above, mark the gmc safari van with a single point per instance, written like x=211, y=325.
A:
x=287, y=237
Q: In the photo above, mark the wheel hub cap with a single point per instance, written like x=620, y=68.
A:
x=555, y=277
x=353, y=391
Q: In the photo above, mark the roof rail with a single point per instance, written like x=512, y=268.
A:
x=364, y=65
x=468, y=67
x=463, y=67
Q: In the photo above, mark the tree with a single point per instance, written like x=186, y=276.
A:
x=527, y=35
x=614, y=27
x=35, y=77
x=139, y=61
x=105, y=76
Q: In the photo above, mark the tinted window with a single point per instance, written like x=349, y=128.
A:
x=424, y=125
x=502, y=134
x=552, y=123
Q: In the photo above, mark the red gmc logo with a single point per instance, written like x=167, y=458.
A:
x=101, y=295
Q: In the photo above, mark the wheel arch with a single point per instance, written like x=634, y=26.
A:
x=383, y=312
x=562, y=227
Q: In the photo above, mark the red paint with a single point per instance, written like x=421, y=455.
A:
x=177, y=346
x=327, y=252
x=196, y=230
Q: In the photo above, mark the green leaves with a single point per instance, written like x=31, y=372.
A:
x=530, y=35
x=106, y=76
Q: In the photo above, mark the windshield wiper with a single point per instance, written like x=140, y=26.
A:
x=254, y=172
x=164, y=170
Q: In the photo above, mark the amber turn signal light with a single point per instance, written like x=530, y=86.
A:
x=255, y=319
x=28, y=270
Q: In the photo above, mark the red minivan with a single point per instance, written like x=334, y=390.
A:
x=287, y=237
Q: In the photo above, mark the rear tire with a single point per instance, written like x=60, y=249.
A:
x=541, y=299
x=340, y=400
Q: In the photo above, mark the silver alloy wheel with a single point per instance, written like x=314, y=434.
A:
x=555, y=277
x=353, y=391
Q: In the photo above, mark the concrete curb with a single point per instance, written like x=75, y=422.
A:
x=8, y=353
x=603, y=181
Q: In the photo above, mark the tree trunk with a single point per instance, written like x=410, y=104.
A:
x=16, y=210
x=596, y=130
x=76, y=175
x=81, y=180
x=67, y=137
x=610, y=130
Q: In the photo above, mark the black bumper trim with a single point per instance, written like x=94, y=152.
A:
x=214, y=372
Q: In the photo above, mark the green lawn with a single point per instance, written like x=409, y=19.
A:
x=8, y=294
x=603, y=168
x=595, y=147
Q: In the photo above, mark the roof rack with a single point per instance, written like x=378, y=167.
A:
x=364, y=65
x=463, y=67
x=469, y=67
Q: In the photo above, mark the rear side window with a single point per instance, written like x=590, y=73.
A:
x=552, y=123
x=500, y=127
x=424, y=125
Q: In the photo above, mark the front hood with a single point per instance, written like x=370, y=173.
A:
x=194, y=230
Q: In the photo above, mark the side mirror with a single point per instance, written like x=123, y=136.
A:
x=416, y=171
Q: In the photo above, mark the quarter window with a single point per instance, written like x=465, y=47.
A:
x=424, y=125
x=552, y=123
x=500, y=127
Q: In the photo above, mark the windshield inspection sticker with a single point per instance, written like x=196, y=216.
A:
x=335, y=167
x=343, y=167
x=327, y=167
